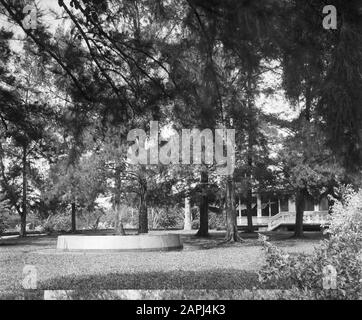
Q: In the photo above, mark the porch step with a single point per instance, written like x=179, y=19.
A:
x=310, y=219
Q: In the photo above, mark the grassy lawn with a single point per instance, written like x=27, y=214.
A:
x=202, y=264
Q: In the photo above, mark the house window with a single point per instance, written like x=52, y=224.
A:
x=270, y=206
x=284, y=206
x=309, y=203
x=264, y=206
x=323, y=204
x=244, y=212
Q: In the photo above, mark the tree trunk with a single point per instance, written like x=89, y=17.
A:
x=142, y=213
x=204, y=207
x=308, y=102
x=231, y=224
x=22, y=225
x=118, y=226
x=301, y=193
x=24, y=198
x=143, y=218
x=188, y=220
x=251, y=142
x=74, y=224
x=300, y=204
x=249, y=211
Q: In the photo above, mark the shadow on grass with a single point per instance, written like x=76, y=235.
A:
x=43, y=241
x=19, y=294
x=220, y=279
x=192, y=242
x=216, y=240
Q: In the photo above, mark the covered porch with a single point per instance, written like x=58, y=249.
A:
x=270, y=211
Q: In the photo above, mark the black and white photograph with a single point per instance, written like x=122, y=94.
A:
x=181, y=154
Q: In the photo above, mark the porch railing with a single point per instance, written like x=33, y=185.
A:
x=283, y=218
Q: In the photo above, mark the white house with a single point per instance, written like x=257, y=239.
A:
x=272, y=210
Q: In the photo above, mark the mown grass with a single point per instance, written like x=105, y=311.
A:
x=202, y=264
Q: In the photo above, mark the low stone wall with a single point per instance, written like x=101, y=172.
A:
x=120, y=243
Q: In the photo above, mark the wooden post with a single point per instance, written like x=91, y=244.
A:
x=74, y=226
x=316, y=206
x=291, y=204
x=204, y=205
x=187, y=221
x=239, y=208
x=258, y=205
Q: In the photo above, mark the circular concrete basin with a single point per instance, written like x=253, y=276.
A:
x=135, y=242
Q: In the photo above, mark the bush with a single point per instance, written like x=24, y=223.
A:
x=4, y=214
x=57, y=222
x=90, y=219
x=195, y=225
x=311, y=277
x=216, y=221
x=3, y=226
x=128, y=215
x=166, y=218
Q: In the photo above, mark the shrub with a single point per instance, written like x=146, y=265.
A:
x=166, y=218
x=195, y=225
x=195, y=218
x=106, y=221
x=3, y=226
x=90, y=219
x=307, y=275
x=128, y=215
x=56, y=223
x=216, y=221
x=4, y=214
